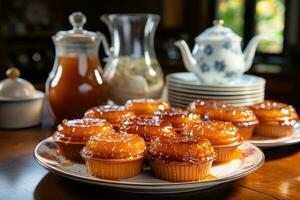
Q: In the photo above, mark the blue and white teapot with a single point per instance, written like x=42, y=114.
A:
x=217, y=57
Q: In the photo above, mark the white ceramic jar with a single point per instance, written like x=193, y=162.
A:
x=20, y=104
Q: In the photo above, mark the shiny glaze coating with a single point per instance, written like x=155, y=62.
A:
x=218, y=110
x=217, y=132
x=178, y=117
x=180, y=148
x=273, y=112
x=112, y=113
x=146, y=127
x=114, y=146
x=202, y=107
x=146, y=107
x=80, y=130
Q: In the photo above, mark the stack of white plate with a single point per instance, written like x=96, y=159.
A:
x=185, y=87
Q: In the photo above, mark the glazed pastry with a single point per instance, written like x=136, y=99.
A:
x=180, y=158
x=178, y=117
x=114, y=156
x=147, y=128
x=72, y=135
x=204, y=107
x=146, y=107
x=275, y=119
x=112, y=113
x=242, y=117
x=224, y=137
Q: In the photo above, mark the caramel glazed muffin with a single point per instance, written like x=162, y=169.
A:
x=112, y=113
x=72, y=135
x=275, y=119
x=180, y=158
x=224, y=137
x=147, y=128
x=242, y=117
x=146, y=107
x=178, y=117
x=114, y=155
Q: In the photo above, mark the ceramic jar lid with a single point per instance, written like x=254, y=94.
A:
x=14, y=87
x=217, y=33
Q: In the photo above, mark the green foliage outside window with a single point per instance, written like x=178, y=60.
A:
x=232, y=12
x=269, y=21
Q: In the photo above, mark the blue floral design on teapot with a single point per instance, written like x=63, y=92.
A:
x=217, y=57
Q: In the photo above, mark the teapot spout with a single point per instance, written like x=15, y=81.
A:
x=249, y=51
x=188, y=60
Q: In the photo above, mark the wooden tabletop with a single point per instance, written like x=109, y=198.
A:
x=22, y=178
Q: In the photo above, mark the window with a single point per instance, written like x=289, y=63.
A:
x=232, y=12
x=261, y=16
x=270, y=21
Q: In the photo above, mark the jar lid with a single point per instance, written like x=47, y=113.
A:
x=218, y=33
x=77, y=20
x=14, y=87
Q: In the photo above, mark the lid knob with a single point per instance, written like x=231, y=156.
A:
x=13, y=73
x=14, y=87
x=218, y=22
x=77, y=19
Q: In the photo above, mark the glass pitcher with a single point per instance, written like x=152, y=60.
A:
x=75, y=82
x=132, y=70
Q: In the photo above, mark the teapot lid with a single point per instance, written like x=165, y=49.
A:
x=77, y=20
x=218, y=33
x=14, y=87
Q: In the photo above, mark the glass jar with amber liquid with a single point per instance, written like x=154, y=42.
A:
x=75, y=82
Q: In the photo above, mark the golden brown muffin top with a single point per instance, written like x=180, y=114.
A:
x=274, y=111
x=234, y=114
x=201, y=107
x=218, y=110
x=80, y=130
x=147, y=127
x=181, y=148
x=178, y=117
x=114, y=146
x=146, y=107
x=112, y=113
x=217, y=132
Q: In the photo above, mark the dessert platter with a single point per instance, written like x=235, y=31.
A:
x=264, y=142
x=146, y=146
x=46, y=155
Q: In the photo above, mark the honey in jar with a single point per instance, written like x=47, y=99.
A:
x=75, y=82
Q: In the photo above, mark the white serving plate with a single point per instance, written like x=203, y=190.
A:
x=184, y=86
x=223, y=93
x=170, y=96
x=181, y=100
x=277, y=142
x=234, y=97
x=188, y=78
x=252, y=158
x=178, y=103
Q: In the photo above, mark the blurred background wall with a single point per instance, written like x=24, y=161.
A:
x=26, y=27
